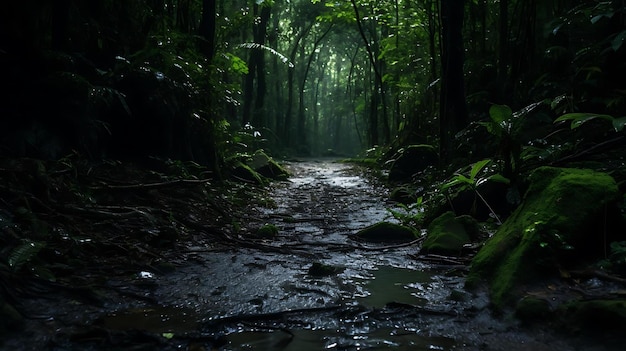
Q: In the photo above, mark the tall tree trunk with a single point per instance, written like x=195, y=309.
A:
x=288, y=121
x=434, y=37
x=256, y=67
x=207, y=45
x=503, y=51
x=301, y=126
x=453, y=110
x=207, y=29
x=378, y=86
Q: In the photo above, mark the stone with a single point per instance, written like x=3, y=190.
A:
x=385, y=232
x=555, y=225
x=446, y=235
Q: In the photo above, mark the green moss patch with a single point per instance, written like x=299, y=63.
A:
x=596, y=315
x=385, y=232
x=531, y=309
x=267, y=231
x=245, y=173
x=267, y=167
x=557, y=220
x=446, y=235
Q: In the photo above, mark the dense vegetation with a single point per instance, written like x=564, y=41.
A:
x=446, y=95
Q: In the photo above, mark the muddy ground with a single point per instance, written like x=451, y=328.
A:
x=250, y=292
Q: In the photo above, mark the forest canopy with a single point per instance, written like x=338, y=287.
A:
x=200, y=80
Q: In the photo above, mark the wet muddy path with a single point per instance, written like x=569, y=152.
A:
x=264, y=297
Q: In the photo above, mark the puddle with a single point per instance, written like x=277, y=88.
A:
x=393, y=284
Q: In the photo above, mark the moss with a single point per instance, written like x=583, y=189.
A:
x=244, y=172
x=267, y=231
x=267, y=167
x=446, y=235
x=530, y=309
x=559, y=208
x=604, y=315
x=386, y=232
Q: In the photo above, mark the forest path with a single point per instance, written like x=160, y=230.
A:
x=380, y=298
x=253, y=293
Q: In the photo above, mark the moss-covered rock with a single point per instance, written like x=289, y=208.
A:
x=242, y=171
x=267, y=167
x=530, y=309
x=385, y=232
x=593, y=315
x=446, y=235
x=557, y=221
x=267, y=231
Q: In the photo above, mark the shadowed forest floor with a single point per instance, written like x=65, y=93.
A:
x=172, y=261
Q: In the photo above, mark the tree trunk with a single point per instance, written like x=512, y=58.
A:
x=503, y=54
x=453, y=110
x=207, y=29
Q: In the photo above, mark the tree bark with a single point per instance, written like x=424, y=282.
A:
x=207, y=29
x=453, y=109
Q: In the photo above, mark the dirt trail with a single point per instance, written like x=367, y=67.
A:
x=264, y=298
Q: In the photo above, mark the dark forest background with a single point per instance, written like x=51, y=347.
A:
x=203, y=80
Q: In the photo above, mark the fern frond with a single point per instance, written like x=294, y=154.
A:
x=257, y=46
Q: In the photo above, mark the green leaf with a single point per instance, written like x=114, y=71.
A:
x=24, y=253
x=450, y=184
x=618, y=123
x=500, y=113
x=579, y=118
x=619, y=39
x=477, y=167
x=499, y=178
x=238, y=65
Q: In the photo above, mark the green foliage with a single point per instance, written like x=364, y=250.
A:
x=477, y=175
x=578, y=119
x=238, y=65
x=24, y=253
x=411, y=215
x=238, y=143
x=507, y=126
x=616, y=261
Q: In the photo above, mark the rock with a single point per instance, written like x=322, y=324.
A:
x=593, y=315
x=556, y=225
x=411, y=160
x=318, y=269
x=532, y=309
x=385, y=232
x=267, y=231
x=403, y=195
x=447, y=234
x=266, y=166
x=243, y=172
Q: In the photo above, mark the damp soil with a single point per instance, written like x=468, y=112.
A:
x=262, y=295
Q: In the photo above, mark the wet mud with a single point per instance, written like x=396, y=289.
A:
x=266, y=299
